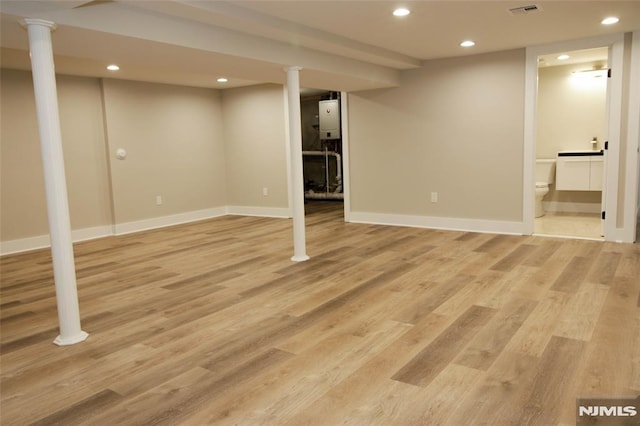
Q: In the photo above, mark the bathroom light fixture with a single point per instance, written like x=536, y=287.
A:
x=468, y=43
x=610, y=20
x=563, y=57
x=592, y=73
x=113, y=67
x=222, y=80
x=401, y=11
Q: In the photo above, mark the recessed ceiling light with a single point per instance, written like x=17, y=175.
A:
x=610, y=20
x=563, y=57
x=222, y=80
x=113, y=67
x=467, y=43
x=401, y=11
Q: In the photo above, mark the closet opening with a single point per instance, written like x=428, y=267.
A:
x=322, y=151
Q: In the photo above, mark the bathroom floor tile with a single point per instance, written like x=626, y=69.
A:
x=581, y=225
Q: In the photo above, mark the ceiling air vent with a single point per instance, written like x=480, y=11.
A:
x=524, y=10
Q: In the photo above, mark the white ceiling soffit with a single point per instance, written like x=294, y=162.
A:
x=234, y=16
x=342, y=45
x=149, y=38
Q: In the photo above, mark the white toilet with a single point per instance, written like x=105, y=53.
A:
x=545, y=174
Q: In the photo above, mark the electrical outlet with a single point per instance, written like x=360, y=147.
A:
x=265, y=191
x=434, y=197
x=158, y=200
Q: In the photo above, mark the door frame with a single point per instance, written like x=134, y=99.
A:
x=615, y=43
x=632, y=189
x=346, y=176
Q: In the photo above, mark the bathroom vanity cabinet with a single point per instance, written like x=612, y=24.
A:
x=579, y=171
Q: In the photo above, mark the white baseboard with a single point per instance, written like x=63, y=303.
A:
x=454, y=224
x=164, y=221
x=568, y=207
x=446, y=223
x=43, y=241
x=277, y=212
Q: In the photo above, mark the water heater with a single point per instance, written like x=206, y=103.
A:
x=329, y=116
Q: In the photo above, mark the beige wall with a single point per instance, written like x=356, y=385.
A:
x=254, y=134
x=571, y=110
x=455, y=127
x=174, y=142
x=23, y=204
x=173, y=136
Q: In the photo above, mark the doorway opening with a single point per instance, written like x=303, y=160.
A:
x=322, y=151
x=571, y=133
x=615, y=45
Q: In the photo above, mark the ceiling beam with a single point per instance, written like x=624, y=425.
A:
x=124, y=19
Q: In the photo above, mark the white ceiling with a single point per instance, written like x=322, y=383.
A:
x=341, y=45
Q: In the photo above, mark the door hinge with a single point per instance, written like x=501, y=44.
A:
x=604, y=215
x=606, y=144
x=609, y=73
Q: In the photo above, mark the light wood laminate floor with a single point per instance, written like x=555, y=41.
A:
x=211, y=323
